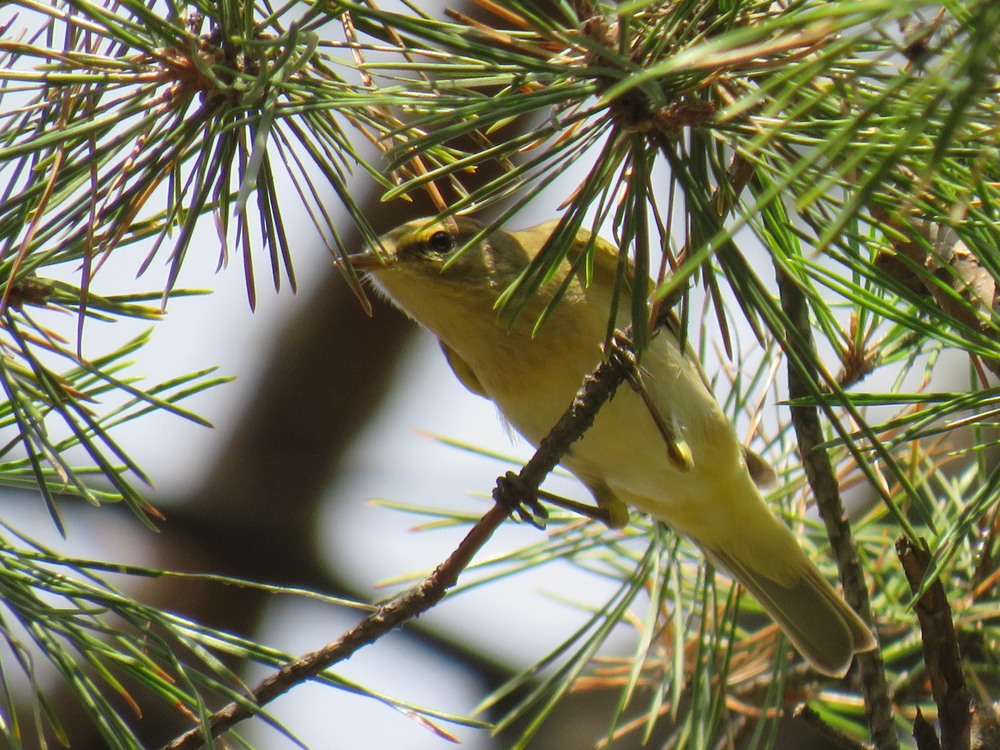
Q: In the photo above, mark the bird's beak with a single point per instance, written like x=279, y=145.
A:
x=360, y=263
x=367, y=260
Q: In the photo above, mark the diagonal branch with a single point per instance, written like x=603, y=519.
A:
x=941, y=653
x=510, y=494
x=823, y=482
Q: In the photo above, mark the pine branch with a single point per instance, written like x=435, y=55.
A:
x=826, y=490
x=942, y=659
x=510, y=495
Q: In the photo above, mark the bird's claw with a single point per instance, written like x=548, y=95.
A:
x=621, y=351
x=513, y=494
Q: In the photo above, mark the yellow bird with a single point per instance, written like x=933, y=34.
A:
x=667, y=449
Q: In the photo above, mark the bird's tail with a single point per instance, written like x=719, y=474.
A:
x=819, y=623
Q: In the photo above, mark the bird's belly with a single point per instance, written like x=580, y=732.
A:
x=625, y=450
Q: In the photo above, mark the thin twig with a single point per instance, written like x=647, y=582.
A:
x=512, y=492
x=941, y=654
x=823, y=482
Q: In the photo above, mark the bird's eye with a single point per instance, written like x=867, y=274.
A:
x=440, y=242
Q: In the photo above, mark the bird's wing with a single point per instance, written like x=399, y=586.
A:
x=605, y=267
x=462, y=370
x=761, y=472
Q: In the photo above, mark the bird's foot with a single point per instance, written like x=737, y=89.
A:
x=522, y=502
x=621, y=352
x=614, y=515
